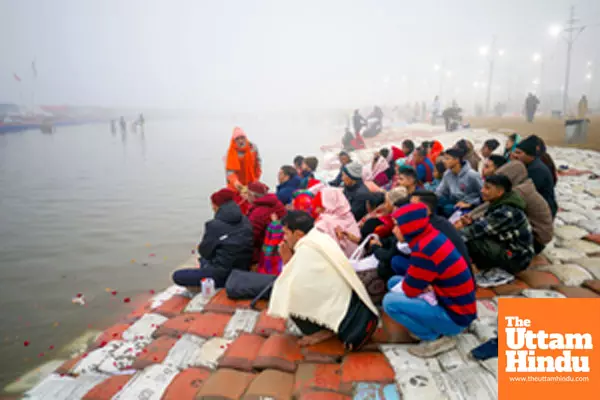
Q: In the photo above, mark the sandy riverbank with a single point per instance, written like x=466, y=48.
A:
x=551, y=130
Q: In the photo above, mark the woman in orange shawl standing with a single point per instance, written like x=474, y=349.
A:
x=243, y=161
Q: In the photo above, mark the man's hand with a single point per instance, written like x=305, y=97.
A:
x=339, y=233
x=315, y=338
x=466, y=220
x=459, y=225
x=285, y=252
x=375, y=242
x=462, y=204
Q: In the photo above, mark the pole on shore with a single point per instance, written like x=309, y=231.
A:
x=490, y=76
x=572, y=32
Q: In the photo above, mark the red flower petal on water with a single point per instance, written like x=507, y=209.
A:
x=193, y=251
x=26, y=343
x=152, y=291
x=41, y=355
x=103, y=343
x=126, y=300
x=51, y=347
x=114, y=292
x=79, y=294
x=152, y=255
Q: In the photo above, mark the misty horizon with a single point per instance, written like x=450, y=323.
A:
x=275, y=55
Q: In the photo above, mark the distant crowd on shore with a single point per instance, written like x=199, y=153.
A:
x=414, y=231
x=139, y=122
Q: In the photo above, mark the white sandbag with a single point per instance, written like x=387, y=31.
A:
x=211, y=352
x=402, y=361
x=542, y=294
x=557, y=255
x=123, y=357
x=571, y=218
x=31, y=378
x=421, y=385
x=241, y=321
x=487, y=309
x=144, y=327
x=490, y=365
x=186, y=352
x=568, y=274
x=582, y=246
x=474, y=383
x=56, y=387
x=590, y=225
x=569, y=232
x=591, y=264
x=149, y=384
x=199, y=301
x=484, y=329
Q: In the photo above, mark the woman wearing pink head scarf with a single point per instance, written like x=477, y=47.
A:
x=375, y=171
x=335, y=214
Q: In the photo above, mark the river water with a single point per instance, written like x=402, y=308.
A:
x=84, y=211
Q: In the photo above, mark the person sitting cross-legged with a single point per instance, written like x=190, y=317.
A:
x=318, y=288
x=500, y=243
x=226, y=244
x=460, y=186
x=434, y=298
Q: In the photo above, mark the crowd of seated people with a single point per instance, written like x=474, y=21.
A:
x=430, y=226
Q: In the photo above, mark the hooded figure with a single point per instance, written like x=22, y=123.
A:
x=336, y=213
x=264, y=205
x=243, y=164
x=226, y=244
x=470, y=155
x=536, y=208
x=528, y=152
x=434, y=265
x=376, y=171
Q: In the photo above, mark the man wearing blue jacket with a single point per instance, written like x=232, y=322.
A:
x=289, y=182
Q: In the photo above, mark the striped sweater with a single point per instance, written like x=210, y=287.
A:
x=435, y=262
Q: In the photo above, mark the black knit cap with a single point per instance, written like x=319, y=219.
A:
x=529, y=145
x=456, y=152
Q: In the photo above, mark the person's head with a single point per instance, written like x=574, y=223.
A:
x=426, y=197
x=420, y=155
x=491, y=165
x=395, y=198
x=351, y=173
x=256, y=190
x=495, y=187
x=411, y=220
x=465, y=145
x=407, y=178
x=310, y=164
x=296, y=224
x=408, y=146
x=437, y=97
x=453, y=158
x=221, y=197
x=527, y=150
x=356, y=112
x=286, y=173
x=385, y=153
x=489, y=146
x=344, y=158
x=440, y=168
x=511, y=141
x=298, y=160
x=239, y=136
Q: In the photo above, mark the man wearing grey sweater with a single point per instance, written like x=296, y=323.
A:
x=460, y=186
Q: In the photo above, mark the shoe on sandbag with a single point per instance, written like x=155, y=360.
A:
x=432, y=348
x=493, y=277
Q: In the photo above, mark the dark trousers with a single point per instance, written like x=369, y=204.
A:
x=487, y=254
x=191, y=277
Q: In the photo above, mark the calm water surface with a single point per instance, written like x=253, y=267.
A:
x=84, y=211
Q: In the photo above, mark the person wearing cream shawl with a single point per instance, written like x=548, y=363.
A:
x=318, y=288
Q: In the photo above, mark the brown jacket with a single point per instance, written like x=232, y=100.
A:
x=473, y=158
x=537, y=209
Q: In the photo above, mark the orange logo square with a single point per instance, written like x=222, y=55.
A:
x=548, y=349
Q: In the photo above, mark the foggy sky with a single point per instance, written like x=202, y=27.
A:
x=251, y=54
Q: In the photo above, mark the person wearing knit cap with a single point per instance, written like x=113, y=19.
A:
x=355, y=190
x=527, y=152
x=242, y=164
x=433, y=295
x=264, y=206
x=460, y=186
x=226, y=244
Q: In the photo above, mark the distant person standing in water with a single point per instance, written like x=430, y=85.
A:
x=123, y=124
x=531, y=105
x=582, y=108
x=113, y=126
x=141, y=121
x=435, y=109
x=243, y=164
x=358, y=121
